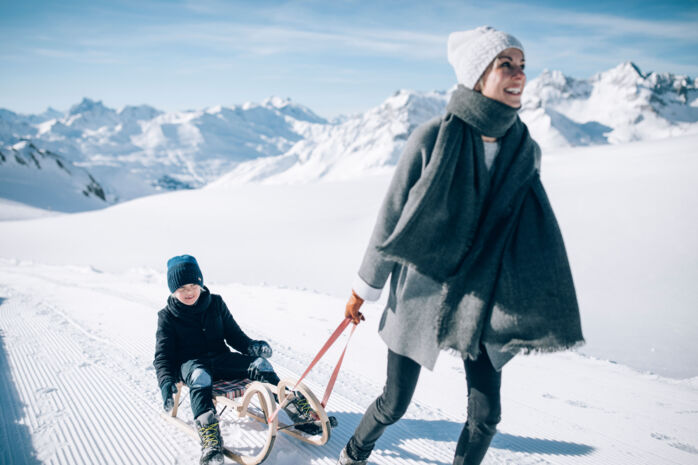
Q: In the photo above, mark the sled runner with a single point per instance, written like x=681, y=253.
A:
x=257, y=400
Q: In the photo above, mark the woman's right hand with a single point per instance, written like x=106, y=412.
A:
x=352, y=310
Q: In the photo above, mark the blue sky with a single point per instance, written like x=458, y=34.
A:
x=337, y=57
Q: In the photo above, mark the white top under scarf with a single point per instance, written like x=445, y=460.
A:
x=491, y=149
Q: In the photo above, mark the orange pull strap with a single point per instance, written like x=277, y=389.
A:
x=330, y=385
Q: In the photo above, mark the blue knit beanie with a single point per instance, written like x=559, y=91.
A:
x=181, y=270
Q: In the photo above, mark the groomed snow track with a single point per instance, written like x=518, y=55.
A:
x=75, y=391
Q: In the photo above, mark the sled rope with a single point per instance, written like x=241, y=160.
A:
x=330, y=384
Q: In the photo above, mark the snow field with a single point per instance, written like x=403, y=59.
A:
x=10, y=210
x=79, y=295
x=629, y=217
x=79, y=346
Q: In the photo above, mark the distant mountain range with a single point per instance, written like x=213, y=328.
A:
x=98, y=155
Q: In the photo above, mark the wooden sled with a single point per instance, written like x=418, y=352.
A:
x=237, y=396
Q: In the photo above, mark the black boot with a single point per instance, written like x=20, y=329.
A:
x=302, y=415
x=211, y=440
x=345, y=459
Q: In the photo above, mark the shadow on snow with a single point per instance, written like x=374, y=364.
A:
x=393, y=441
x=15, y=439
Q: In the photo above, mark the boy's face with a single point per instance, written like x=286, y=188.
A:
x=188, y=294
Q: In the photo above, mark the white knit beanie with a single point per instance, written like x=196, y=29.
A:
x=470, y=52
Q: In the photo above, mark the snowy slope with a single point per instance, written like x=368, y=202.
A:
x=628, y=214
x=45, y=180
x=88, y=394
x=88, y=285
x=11, y=210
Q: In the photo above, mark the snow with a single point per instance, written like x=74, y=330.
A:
x=360, y=145
x=140, y=151
x=618, y=106
x=90, y=394
x=629, y=215
x=10, y=210
x=42, y=179
x=87, y=287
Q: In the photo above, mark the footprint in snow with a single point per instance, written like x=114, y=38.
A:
x=684, y=447
x=577, y=403
x=675, y=444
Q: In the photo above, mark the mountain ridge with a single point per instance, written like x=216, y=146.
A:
x=139, y=150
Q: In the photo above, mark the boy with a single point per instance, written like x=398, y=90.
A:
x=194, y=333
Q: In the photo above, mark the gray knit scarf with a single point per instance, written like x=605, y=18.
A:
x=484, y=236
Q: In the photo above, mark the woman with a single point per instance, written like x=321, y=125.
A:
x=476, y=256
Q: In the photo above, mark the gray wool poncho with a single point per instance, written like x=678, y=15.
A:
x=477, y=256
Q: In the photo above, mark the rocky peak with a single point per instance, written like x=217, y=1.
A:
x=139, y=112
x=89, y=106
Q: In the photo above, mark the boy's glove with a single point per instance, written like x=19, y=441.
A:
x=259, y=349
x=168, y=388
x=258, y=368
x=352, y=309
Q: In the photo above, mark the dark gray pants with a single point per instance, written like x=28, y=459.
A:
x=484, y=408
x=199, y=374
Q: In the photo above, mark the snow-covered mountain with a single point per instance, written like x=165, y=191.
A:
x=617, y=106
x=46, y=180
x=363, y=144
x=139, y=150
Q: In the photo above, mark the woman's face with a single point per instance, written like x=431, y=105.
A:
x=188, y=294
x=505, y=79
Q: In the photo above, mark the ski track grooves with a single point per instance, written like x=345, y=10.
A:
x=77, y=397
x=89, y=396
x=100, y=420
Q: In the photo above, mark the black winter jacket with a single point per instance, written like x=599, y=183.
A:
x=187, y=332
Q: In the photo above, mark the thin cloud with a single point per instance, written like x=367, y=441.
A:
x=618, y=26
x=267, y=40
x=610, y=25
x=198, y=68
x=89, y=56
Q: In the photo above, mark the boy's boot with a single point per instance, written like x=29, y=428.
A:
x=344, y=459
x=211, y=440
x=302, y=415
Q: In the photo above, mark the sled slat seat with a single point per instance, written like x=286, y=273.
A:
x=232, y=389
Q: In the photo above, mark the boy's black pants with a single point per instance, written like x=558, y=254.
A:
x=199, y=374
